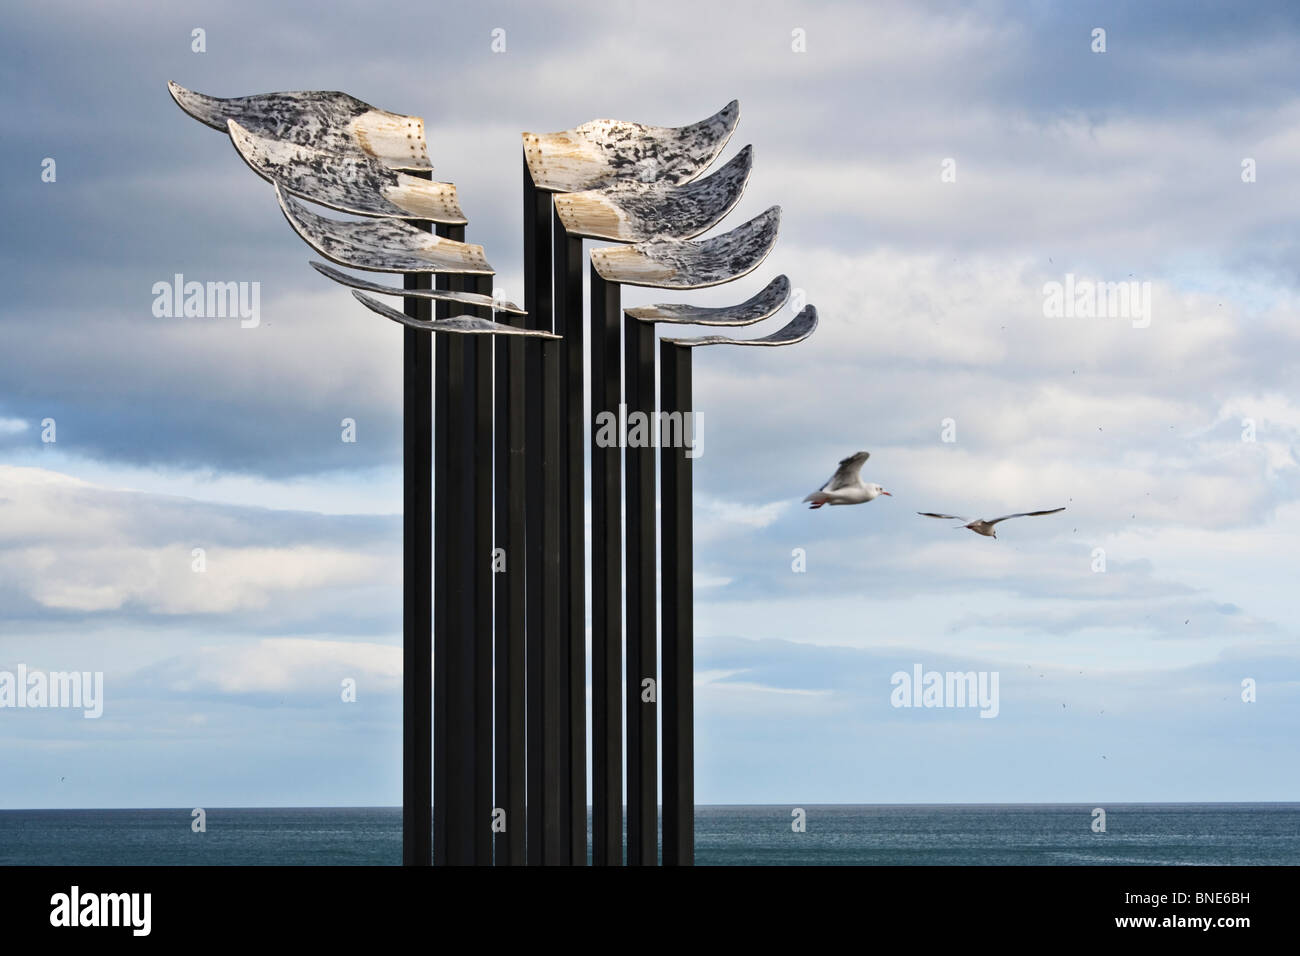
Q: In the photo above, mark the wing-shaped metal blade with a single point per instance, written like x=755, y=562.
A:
x=460, y=324
x=798, y=329
x=382, y=245
x=762, y=306
x=634, y=212
x=598, y=152
x=684, y=264
x=439, y=295
x=350, y=182
x=326, y=120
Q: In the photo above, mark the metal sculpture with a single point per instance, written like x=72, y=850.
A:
x=695, y=265
x=642, y=184
x=342, y=153
x=501, y=443
x=675, y=398
x=641, y=564
x=599, y=164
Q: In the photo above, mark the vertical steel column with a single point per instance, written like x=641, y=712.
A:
x=545, y=783
x=642, y=616
x=606, y=577
x=442, y=582
x=568, y=323
x=455, y=777
x=460, y=660
x=417, y=577
x=678, y=613
x=555, y=703
x=510, y=846
x=479, y=472
x=469, y=710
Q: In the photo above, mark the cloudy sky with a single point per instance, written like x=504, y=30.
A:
x=1173, y=444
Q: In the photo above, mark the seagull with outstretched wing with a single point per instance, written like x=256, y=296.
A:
x=980, y=526
x=846, y=486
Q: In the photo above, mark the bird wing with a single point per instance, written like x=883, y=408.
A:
x=847, y=473
x=931, y=514
x=1024, y=514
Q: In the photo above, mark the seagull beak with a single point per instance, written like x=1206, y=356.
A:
x=887, y=493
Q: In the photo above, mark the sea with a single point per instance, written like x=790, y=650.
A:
x=1173, y=834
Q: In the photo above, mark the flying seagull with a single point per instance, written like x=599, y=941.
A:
x=980, y=526
x=846, y=486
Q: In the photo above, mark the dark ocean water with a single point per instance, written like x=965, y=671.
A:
x=1049, y=835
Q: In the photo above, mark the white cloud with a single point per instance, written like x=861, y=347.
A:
x=286, y=665
x=70, y=545
x=717, y=518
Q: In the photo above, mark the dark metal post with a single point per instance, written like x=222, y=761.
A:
x=606, y=576
x=554, y=600
x=441, y=584
x=510, y=848
x=642, y=610
x=459, y=660
x=417, y=575
x=455, y=778
x=545, y=783
x=678, y=612
x=469, y=645
x=569, y=321
x=479, y=469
